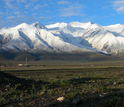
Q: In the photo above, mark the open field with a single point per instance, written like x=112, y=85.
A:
x=87, y=84
x=39, y=65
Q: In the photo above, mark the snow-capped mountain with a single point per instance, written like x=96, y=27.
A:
x=64, y=37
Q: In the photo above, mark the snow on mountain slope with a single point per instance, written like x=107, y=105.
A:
x=64, y=37
x=115, y=28
x=107, y=39
x=56, y=25
x=34, y=37
x=85, y=25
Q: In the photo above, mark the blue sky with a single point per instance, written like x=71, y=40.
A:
x=104, y=12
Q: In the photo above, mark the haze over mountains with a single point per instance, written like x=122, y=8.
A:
x=74, y=37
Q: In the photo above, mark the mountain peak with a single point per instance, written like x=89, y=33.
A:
x=85, y=25
x=65, y=37
x=90, y=22
x=38, y=25
x=116, y=25
x=57, y=25
x=23, y=25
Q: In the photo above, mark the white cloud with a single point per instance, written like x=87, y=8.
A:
x=14, y=4
x=44, y=18
x=72, y=10
x=119, y=5
x=11, y=17
x=21, y=1
x=2, y=13
x=10, y=4
x=63, y=2
x=34, y=0
x=39, y=6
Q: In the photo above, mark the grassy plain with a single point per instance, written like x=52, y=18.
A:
x=87, y=84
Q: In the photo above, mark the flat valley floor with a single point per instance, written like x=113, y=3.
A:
x=80, y=84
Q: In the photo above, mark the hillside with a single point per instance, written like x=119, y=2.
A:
x=74, y=37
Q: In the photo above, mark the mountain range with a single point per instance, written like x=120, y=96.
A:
x=74, y=37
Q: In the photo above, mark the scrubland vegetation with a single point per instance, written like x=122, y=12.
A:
x=96, y=84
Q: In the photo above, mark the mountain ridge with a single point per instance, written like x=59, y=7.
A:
x=73, y=37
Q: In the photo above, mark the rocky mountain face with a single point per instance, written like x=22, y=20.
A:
x=74, y=37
